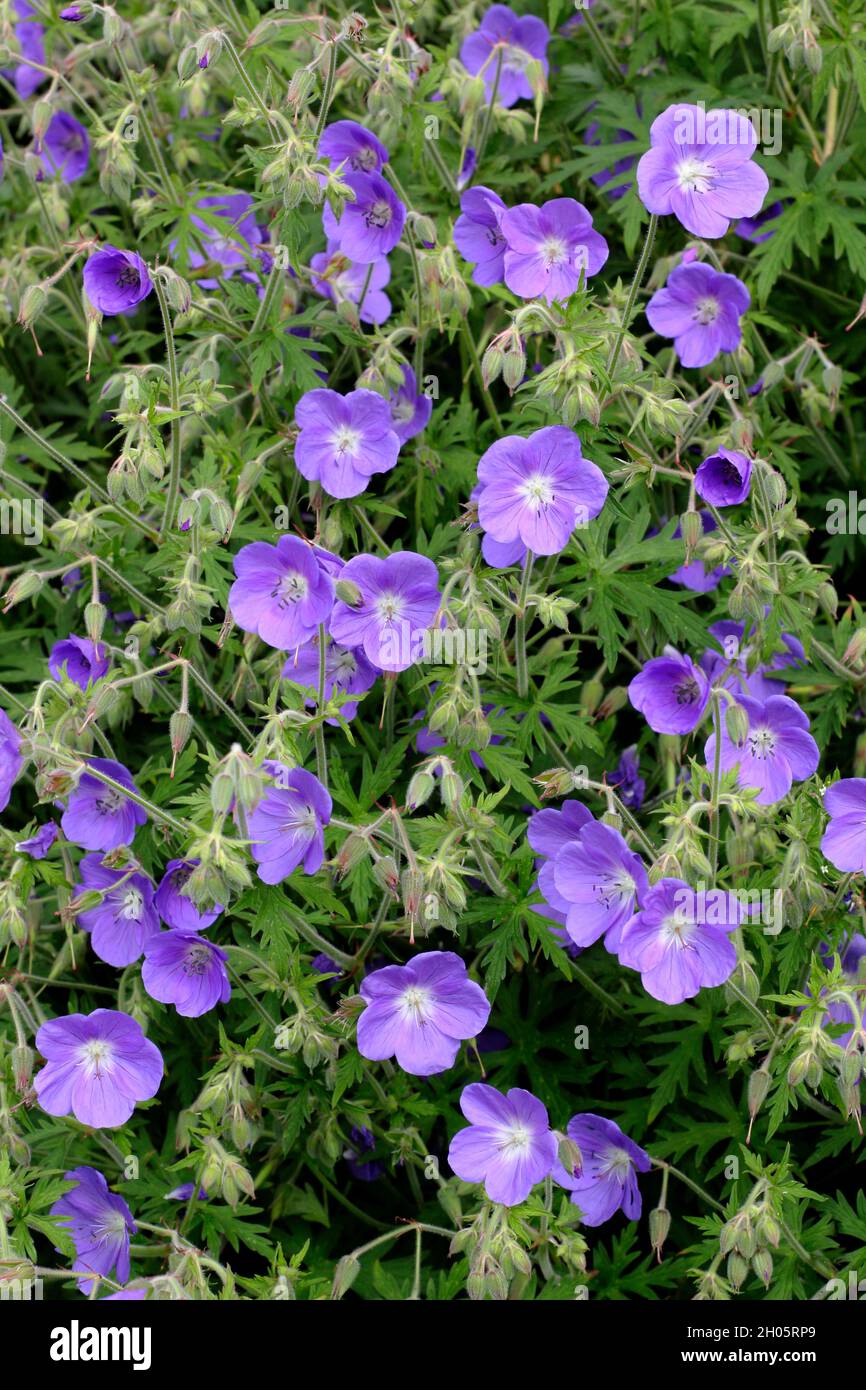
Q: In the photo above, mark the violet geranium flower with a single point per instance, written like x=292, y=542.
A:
x=550, y=249
x=478, y=234
x=777, y=751
x=700, y=168
x=679, y=940
x=30, y=35
x=82, y=661
x=371, y=226
x=174, y=906
x=99, y=816
x=536, y=490
x=398, y=599
x=347, y=672
x=39, y=844
x=97, y=1067
x=420, y=1013
x=506, y=43
x=100, y=1224
x=700, y=308
x=844, y=840
x=347, y=143
x=65, y=148
x=695, y=575
x=282, y=592
x=183, y=968
x=743, y=677
x=626, y=779
x=115, y=281
x=232, y=243
x=724, y=478
x=121, y=925
x=11, y=761
x=607, y=1179
x=761, y=227
x=338, y=279
x=410, y=411
x=286, y=828
x=671, y=693
x=344, y=440
x=508, y=1146
x=600, y=881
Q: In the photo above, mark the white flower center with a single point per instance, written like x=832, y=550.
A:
x=554, y=251
x=707, y=310
x=515, y=1140
x=677, y=929
x=390, y=606
x=416, y=1004
x=96, y=1056
x=613, y=888
x=762, y=743
x=346, y=440
x=291, y=589
x=538, y=491
x=616, y=1163
x=695, y=175
x=133, y=902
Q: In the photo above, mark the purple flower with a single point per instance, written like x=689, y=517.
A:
x=65, y=148
x=282, y=592
x=72, y=14
x=518, y=41
x=11, y=761
x=737, y=645
x=630, y=786
x=420, y=1013
x=371, y=226
x=597, y=881
x=467, y=168
x=184, y=1192
x=347, y=672
x=844, y=840
x=115, y=281
x=760, y=228
x=362, y=1142
x=613, y=176
x=607, y=1178
x=695, y=575
x=537, y=490
x=679, y=940
x=549, y=831
x=550, y=249
x=82, y=661
x=232, y=243
x=478, y=235
x=185, y=969
x=344, y=440
x=100, y=1224
x=700, y=308
x=98, y=816
x=39, y=844
x=97, y=1066
x=123, y=922
x=671, y=693
x=399, y=598
x=410, y=412
x=724, y=478
x=31, y=40
x=340, y=279
x=777, y=751
x=348, y=143
x=508, y=1145
x=174, y=906
x=699, y=168
x=286, y=828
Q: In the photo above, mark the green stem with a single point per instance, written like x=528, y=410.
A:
x=174, y=400
x=520, y=630
x=321, y=751
x=479, y=375
x=640, y=271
